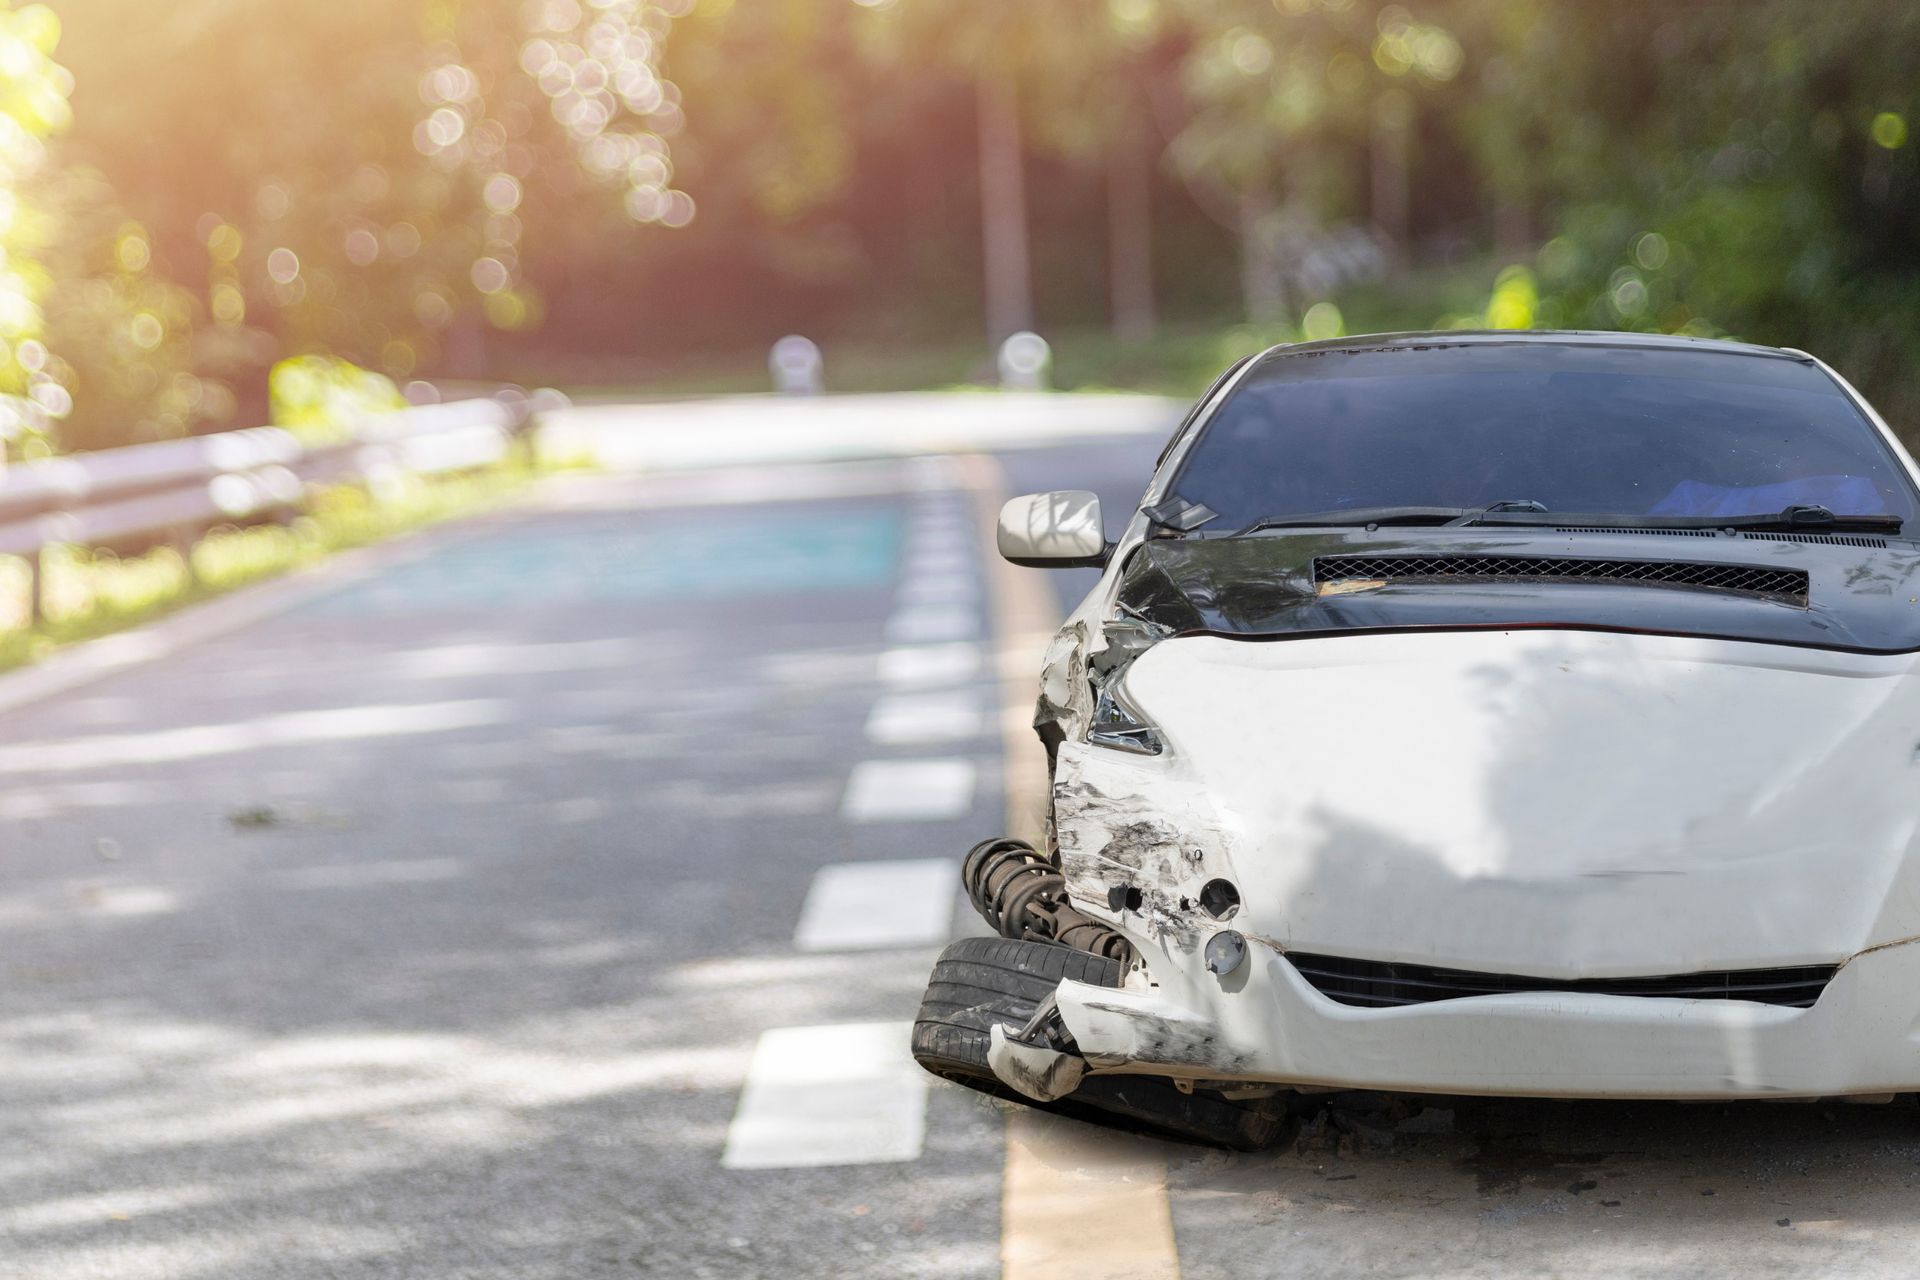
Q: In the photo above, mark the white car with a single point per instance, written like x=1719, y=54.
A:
x=1493, y=714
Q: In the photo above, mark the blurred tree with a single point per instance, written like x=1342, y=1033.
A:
x=1091, y=106
x=1284, y=100
x=359, y=177
x=1068, y=53
x=33, y=107
x=1716, y=168
x=416, y=184
x=119, y=333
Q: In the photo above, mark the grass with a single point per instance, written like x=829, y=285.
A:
x=93, y=593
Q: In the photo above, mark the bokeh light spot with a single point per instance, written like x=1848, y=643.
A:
x=362, y=247
x=502, y=193
x=133, y=251
x=1323, y=320
x=490, y=275
x=229, y=305
x=224, y=242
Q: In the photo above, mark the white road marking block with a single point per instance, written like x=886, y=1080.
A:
x=943, y=716
x=930, y=540
x=834, y=1095
x=954, y=589
x=935, y=561
x=949, y=526
x=922, y=623
x=909, y=790
x=919, y=666
x=863, y=905
x=924, y=558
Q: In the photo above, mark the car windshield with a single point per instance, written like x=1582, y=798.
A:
x=1605, y=430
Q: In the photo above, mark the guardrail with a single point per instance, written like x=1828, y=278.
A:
x=149, y=495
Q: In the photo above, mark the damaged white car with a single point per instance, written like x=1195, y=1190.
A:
x=1486, y=714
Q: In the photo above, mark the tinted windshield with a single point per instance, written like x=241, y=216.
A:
x=1597, y=430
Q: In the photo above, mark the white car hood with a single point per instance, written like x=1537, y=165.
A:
x=1551, y=803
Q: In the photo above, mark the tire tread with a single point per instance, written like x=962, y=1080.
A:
x=978, y=982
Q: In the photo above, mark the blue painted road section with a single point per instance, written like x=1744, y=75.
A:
x=708, y=554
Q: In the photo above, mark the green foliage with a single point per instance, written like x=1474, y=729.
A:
x=367, y=179
x=1718, y=169
x=119, y=334
x=322, y=398
x=33, y=108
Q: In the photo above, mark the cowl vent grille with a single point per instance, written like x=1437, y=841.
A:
x=1377, y=984
x=1790, y=584
x=1654, y=533
x=1830, y=539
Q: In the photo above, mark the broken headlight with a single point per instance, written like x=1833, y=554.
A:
x=1116, y=724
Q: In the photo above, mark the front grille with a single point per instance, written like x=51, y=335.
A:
x=1790, y=584
x=1377, y=984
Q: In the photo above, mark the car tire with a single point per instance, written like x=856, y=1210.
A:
x=978, y=982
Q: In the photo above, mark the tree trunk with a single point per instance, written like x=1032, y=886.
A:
x=1003, y=211
x=466, y=345
x=1512, y=219
x=1392, y=127
x=1263, y=276
x=1130, y=238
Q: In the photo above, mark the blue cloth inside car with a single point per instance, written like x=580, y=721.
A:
x=1842, y=495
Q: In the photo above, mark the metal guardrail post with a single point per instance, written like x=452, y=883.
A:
x=36, y=589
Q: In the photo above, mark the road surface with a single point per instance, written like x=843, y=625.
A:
x=508, y=910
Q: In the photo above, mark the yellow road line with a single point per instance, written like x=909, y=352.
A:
x=1077, y=1202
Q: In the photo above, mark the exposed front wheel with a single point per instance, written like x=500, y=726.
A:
x=978, y=982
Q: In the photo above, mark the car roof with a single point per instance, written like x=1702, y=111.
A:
x=1528, y=337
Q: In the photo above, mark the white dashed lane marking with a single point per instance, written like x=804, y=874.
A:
x=923, y=666
x=909, y=790
x=865, y=905
x=931, y=562
x=833, y=1095
x=945, y=715
x=941, y=588
x=921, y=624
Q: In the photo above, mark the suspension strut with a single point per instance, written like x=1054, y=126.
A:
x=1022, y=894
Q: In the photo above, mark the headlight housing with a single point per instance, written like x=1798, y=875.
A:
x=1118, y=725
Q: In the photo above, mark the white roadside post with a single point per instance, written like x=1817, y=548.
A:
x=1026, y=363
x=796, y=367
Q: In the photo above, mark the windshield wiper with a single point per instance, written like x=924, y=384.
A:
x=1527, y=505
x=1361, y=516
x=1801, y=518
x=1810, y=516
x=1525, y=513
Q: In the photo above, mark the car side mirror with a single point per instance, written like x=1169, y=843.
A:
x=1053, y=531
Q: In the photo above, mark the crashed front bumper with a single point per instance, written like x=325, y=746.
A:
x=1264, y=1023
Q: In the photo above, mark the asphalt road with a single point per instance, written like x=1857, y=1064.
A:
x=508, y=912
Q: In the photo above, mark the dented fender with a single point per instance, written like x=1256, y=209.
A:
x=1137, y=844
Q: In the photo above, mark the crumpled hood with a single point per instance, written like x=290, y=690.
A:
x=1553, y=803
